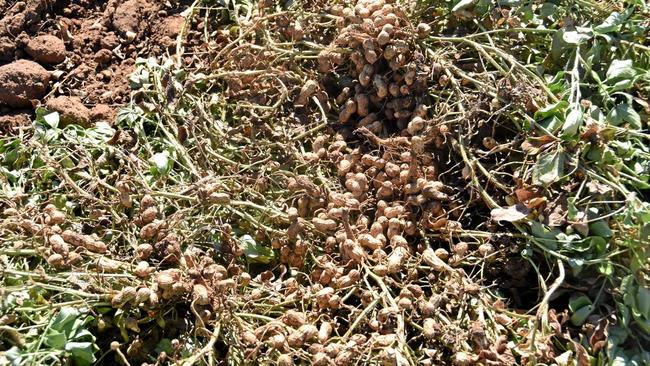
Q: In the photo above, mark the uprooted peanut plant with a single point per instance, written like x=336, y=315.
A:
x=337, y=183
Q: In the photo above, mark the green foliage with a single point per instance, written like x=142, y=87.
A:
x=254, y=252
x=585, y=67
x=66, y=340
x=588, y=140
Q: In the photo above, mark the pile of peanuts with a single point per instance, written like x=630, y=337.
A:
x=386, y=73
x=387, y=198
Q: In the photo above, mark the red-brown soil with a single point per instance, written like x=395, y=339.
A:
x=82, y=49
x=21, y=82
x=46, y=49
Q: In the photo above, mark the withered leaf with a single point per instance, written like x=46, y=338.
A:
x=511, y=214
x=530, y=196
x=555, y=212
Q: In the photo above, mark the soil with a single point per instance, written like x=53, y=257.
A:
x=71, y=111
x=12, y=121
x=46, y=49
x=7, y=48
x=82, y=49
x=21, y=82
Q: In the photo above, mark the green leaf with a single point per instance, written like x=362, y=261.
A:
x=14, y=355
x=161, y=163
x=575, y=37
x=463, y=4
x=598, y=243
x=581, y=307
x=572, y=123
x=643, y=323
x=82, y=334
x=40, y=112
x=55, y=339
x=64, y=318
x=67, y=163
x=555, y=109
x=165, y=345
x=624, y=113
x=643, y=302
x=606, y=268
x=547, y=10
x=557, y=46
x=623, y=314
x=549, y=235
x=600, y=228
x=572, y=209
x=83, y=353
x=592, y=57
x=549, y=168
x=620, y=85
x=52, y=119
x=611, y=24
x=254, y=252
x=580, y=316
x=627, y=288
x=551, y=124
x=620, y=69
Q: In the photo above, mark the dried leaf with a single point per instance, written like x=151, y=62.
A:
x=582, y=357
x=555, y=212
x=511, y=214
x=529, y=148
x=598, y=339
x=536, y=202
x=524, y=194
x=554, y=323
x=530, y=196
x=596, y=187
x=592, y=132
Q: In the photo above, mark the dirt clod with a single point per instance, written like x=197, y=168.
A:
x=71, y=111
x=13, y=119
x=102, y=112
x=171, y=26
x=46, y=49
x=7, y=49
x=127, y=17
x=103, y=56
x=21, y=82
x=21, y=15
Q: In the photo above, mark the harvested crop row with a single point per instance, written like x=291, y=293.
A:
x=325, y=184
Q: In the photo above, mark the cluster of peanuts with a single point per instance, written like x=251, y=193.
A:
x=386, y=198
x=198, y=278
x=166, y=246
x=147, y=219
x=147, y=215
x=310, y=330
x=210, y=190
x=167, y=284
x=308, y=198
x=386, y=72
x=190, y=274
x=385, y=203
x=296, y=330
x=63, y=247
